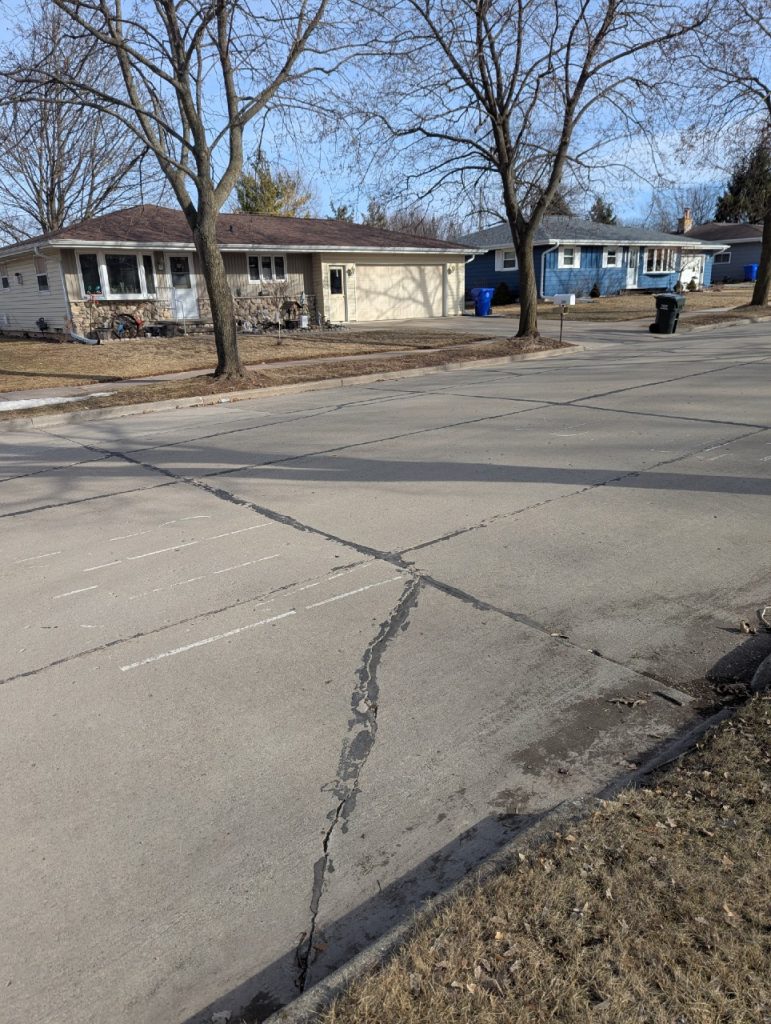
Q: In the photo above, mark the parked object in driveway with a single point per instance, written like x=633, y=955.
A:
x=668, y=307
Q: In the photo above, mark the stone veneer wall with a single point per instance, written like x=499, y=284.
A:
x=150, y=311
x=102, y=312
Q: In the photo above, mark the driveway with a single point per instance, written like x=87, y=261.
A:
x=276, y=671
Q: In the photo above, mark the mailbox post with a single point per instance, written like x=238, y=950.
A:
x=563, y=300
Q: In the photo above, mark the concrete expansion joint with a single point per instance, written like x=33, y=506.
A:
x=356, y=748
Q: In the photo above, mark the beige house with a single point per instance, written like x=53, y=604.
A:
x=142, y=261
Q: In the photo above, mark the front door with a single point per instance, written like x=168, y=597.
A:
x=337, y=294
x=691, y=269
x=632, y=260
x=183, y=296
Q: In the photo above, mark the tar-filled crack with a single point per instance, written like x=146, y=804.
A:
x=357, y=746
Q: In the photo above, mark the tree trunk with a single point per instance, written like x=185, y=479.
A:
x=762, y=289
x=528, y=290
x=220, y=297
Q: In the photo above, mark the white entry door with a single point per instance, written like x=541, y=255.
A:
x=337, y=311
x=632, y=262
x=692, y=269
x=183, y=295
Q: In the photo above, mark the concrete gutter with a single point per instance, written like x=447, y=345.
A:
x=561, y=818
x=226, y=398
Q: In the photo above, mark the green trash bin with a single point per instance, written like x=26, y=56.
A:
x=668, y=307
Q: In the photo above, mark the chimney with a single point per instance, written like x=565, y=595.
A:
x=685, y=223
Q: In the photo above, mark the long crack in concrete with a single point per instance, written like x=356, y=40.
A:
x=357, y=746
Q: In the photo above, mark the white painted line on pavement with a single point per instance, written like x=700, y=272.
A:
x=162, y=551
x=71, y=592
x=350, y=593
x=208, y=640
x=196, y=579
x=104, y=565
x=34, y=558
x=247, y=529
x=185, y=519
x=334, y=575
x=128, y=536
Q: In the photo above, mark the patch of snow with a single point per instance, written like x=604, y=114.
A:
x=35, y=403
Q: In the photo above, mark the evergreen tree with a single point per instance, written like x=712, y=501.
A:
x=559, y=206
x=747, y=197
x=602, y=212
x=342, y=212
x=376, y=216
x=272, y=194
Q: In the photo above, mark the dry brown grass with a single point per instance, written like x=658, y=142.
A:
x=296, y=373
x=753, y=313
x=634, y=305
x=26, y=364
x=653, y=910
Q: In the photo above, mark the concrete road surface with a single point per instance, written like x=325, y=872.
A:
x=274, y=672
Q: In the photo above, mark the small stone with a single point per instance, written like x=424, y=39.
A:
x=362, y=707
x=222, y=1017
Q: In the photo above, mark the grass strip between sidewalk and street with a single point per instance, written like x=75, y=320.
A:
x=654, y=909
x=295, y=372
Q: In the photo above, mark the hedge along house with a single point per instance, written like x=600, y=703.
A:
x=572, y=255
x=142, y=261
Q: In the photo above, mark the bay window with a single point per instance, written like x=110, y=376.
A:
x=659, y=261
x=117, y=275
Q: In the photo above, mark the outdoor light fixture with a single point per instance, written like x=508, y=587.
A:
x=19, y=278
x=349, y=271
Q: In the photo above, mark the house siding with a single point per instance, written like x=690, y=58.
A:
x=742, y=253
x=581, y=280
x=21, y=305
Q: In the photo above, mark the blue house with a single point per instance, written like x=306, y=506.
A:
x=572, y=255
x=741, y=247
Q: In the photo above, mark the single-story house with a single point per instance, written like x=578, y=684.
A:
x=572, y=255
x=142, y=261
x=741, y=242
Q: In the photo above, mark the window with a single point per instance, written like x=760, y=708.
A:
x=5, y=281
x=570, y=257
x=41, y=270
x=147, y=262
x=89, y=271
x=505, y=259
x=266, y=268
x=179, y=266
x=336, y=280
x=659, y=261
x=720, y=257
x=122, y=274
x=612, y=258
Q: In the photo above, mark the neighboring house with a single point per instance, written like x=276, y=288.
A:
x=742, y=243
x=572, y=255
x=142, y=261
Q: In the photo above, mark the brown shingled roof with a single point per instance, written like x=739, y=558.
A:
x=716, y=232
x=160, y=225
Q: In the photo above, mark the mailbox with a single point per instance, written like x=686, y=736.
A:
x=564, y=299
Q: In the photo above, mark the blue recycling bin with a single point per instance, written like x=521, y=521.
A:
x=483, y=301
x=751, y=272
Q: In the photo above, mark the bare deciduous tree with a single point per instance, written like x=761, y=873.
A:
x=193, y=74
x=524, y=93
x=61, y=163
x=668, y=205
x=730, y=59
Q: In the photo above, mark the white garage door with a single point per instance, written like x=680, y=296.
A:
x=398, y=292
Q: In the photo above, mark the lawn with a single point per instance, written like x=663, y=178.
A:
x=375, y=360
x=653, y=910
x=26, y=364
x=634, y=305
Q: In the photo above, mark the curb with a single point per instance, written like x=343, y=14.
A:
x=564, y=815
x=230, y=397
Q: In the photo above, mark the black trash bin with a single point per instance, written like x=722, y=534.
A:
x=668, y=306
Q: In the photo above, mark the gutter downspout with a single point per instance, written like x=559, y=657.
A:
x=543, y=265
